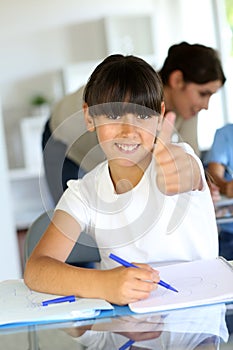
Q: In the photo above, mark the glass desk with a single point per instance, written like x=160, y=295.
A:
x=200, y=328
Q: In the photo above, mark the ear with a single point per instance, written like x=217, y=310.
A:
x=89, y=121
x=160, y=121
x=176, y=79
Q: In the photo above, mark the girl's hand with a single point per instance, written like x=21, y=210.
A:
x=177, y=171
x=126, y=285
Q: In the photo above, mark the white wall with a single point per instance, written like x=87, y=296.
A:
x=35, y=35
x=9, y=253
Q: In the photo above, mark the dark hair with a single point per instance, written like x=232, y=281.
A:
x=199, y=64
x=125, y=79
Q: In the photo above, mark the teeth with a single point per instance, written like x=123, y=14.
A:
x=128, y=148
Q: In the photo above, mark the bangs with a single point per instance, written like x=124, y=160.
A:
x=122, y=85
x=120, y=109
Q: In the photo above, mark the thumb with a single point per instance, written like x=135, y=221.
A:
x=167, y=128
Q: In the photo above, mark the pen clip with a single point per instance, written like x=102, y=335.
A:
x=67, y=298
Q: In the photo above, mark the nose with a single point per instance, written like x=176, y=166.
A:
x=128, y=125
x=205, y=104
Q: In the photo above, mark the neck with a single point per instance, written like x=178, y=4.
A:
x=168, y=99
x=126, y=178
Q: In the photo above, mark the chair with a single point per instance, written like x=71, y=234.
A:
x=88, y=254
x=58, y=168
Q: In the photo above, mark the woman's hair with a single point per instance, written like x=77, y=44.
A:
x=198, y=63
x=121, y=84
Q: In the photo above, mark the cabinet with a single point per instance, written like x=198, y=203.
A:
x=30, y=196
x=130, y=35
x=114, y=34
x=29, y=192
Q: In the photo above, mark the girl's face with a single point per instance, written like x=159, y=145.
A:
x=128, y=139
x=187, y=99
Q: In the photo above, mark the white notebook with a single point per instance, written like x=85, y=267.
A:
x=21, y=305
x=200, y=282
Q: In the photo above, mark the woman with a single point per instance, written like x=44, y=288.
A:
x=191, y=74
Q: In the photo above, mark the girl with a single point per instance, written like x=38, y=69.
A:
x=126, y=203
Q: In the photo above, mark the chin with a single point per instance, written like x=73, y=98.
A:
x=126, y=163
x=189, y=116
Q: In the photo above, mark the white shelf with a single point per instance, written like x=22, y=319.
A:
x=24, y=173
x=28, y=185
x=130, y=35
x=31, y=133
x=124, y=34
x=30, y=196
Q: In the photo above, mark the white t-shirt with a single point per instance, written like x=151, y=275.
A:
x=142, y=225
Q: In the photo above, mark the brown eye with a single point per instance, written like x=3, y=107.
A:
x=113, y=117
x=143, y=116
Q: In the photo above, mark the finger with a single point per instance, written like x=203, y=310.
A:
x=167, y=129
x=144, y=266
x=143, y=274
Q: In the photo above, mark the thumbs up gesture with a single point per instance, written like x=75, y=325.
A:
x=177, y=171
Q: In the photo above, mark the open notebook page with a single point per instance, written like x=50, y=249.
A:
x=200, y=282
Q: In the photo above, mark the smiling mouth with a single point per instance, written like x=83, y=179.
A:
x=127, y=147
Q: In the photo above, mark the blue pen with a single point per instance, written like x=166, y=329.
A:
x=127, y=345
x=128, y=264
x=69, y=298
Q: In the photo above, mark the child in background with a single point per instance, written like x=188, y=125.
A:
x=219, y=162
x=126, y=203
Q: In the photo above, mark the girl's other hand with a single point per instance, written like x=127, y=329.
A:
x=174, y=163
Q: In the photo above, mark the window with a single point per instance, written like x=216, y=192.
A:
x=229, y=17
x=220, y=109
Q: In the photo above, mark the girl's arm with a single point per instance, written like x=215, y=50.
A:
x=46, y=270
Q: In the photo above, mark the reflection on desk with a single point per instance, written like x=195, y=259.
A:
x=179, y=329
x=186, y=329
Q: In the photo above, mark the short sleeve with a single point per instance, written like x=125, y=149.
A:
x=73, y=203
x=219, y=150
